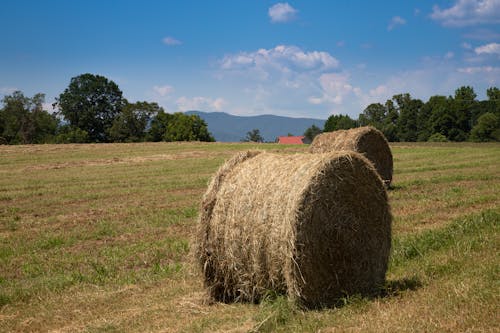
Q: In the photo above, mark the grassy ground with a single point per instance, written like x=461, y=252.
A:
x=96, y=238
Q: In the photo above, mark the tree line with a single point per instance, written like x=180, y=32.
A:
x=454, y=118
x=93, y=109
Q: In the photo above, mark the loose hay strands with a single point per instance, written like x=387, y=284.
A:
x=312, y=226
x=365, y=140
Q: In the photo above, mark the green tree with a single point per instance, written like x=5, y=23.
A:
x=130, y=125
x=463, y=105
x=486, y=129
x=442, y=118
x=312, y=132
x=158, y=126
x=253, y=136
x=338, y=122
x=382, y=117
x=15, y=118
x=493, y=94
x=423, y=123
x=465, y=94
x=23, y=120
x=91, y=103
x=491, y=105
x=373, y=115
x=390, y=121
x=407, y=124
x=183, y=127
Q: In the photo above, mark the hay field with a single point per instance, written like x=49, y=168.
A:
x=96, y=238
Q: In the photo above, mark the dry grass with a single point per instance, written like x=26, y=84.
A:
x=314, y=227
x=104, y=247
x=366, y=140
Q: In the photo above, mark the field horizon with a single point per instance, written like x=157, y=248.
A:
x=98, y=238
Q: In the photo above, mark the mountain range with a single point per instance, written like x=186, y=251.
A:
x=229, y=128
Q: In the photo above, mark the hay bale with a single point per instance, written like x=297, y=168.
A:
x=367, y=140
x=314, y=227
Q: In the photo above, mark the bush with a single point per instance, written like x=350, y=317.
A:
x=486, y=129
x=72, y=135
x=437, y=137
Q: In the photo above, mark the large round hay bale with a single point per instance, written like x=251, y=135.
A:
x=313, y=226
x=367, y=140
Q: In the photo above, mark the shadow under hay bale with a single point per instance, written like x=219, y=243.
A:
x=367, y=140
x=313, y=226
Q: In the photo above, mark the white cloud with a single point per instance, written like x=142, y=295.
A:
x=492, y=48
x=171, y=41
x=278, y=80
x=282, y=12
x=433, y=77
x=335, y=87
x=282, y=58
x=466, y=46
x=7, y=90
x=380, y=91
x=288, y=80
x=163, y=91
x=482, y=34
x=47, y=106
x=200, y=103
x=449, y=55
x=479, y=69
x=468, y=12
x=395, y=21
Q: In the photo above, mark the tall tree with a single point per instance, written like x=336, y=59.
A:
x=338, y=122
x=130, y=125
x=463, y=106
x=23, y=120
x=253, y=136
x=492, y=104
x=158, y=126
x=183, y=127
x=390, y=122
x=382, y=117
x=409, y=109
x=442, y=119
x=312, y=132
x=91, y=103
x=493, y=94
x=425, y=117
x=374, y=115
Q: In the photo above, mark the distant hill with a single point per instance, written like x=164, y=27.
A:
x=228, y=128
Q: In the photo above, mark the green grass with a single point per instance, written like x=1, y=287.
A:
x=96, y=238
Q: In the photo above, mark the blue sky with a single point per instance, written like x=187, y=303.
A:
x=294, y=58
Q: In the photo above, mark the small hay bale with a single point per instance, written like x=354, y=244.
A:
x=367, y=140
x=313, y=226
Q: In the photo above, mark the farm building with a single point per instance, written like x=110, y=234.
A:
x=292, y=140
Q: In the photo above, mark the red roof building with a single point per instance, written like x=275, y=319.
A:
x=291, y=140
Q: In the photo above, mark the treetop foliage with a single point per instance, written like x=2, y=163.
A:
x=91, y=103
x=23, y=120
